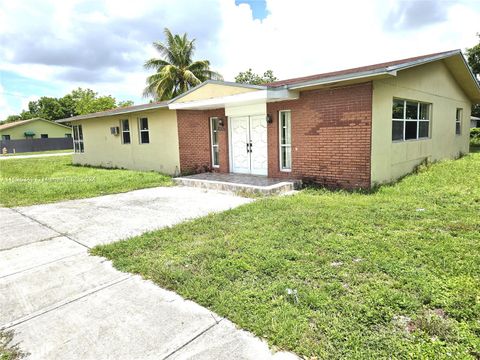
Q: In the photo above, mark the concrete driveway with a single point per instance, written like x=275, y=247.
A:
x=64, y=304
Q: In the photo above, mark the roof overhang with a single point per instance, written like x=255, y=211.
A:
x=343, y=80
x=454, y=60
x=118, y=111
x=255, y=97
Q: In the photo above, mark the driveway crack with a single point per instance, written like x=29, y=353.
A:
x=50, y=228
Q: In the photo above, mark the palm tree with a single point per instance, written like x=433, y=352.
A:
x=176, y=72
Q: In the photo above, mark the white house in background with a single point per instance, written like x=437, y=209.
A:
x=474, y=122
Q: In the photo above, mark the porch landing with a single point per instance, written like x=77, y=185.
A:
x=238, y=183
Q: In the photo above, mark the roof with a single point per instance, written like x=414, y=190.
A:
x=385, y=66
x=218, y=82
x=117, y=111
x=22, y=122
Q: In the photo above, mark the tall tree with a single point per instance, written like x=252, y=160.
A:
x=249, y=77
x=473, y=58
x=176, y=72
x=78, y=102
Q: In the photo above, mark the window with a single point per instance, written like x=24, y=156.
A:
x=143, y=128
x=125, y=126
x=5, y=137
x=44, y=136
x=68, y=135
x=77, y=139
x=410, y=120
x=214, y=141
x=285, y=140
x=458, y=122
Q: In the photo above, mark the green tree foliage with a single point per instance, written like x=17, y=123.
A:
x=175, y=70
x=473, y=58
x=249, y=77
x=78, y=102
x=125, y=103
x=87, y=101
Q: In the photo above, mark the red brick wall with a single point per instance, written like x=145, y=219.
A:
x=194, y=140
x=331, y=136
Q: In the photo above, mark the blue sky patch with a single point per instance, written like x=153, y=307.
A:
x=259, y=7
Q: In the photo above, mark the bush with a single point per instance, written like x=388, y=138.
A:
x=475, y=136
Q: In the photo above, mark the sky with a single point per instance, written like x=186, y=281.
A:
x=50, y=47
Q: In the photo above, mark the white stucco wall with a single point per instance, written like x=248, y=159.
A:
x=106, y=150
x=431, y=83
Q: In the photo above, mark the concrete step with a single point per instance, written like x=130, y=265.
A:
x=276, y=188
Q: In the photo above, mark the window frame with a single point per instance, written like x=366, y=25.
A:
x=458, y=121
x=43, y=136
x=280, y=145
x=78, y=144
x=123, y=131
x=404, y=120
x=140, y=131
x=6, y=137
x=212, y=145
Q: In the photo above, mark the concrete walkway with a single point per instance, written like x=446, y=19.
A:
x=6, y=157
x=64, y=304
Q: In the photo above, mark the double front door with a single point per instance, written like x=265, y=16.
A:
x=248, y=139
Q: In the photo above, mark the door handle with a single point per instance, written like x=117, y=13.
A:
x=248, y=150
x=250, y=145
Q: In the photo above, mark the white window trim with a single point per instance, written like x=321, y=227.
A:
x=140, y=131
x=77, y=141
x=212, y=145
x=125, y=131
x=418, y=121
x=280, y=145
x=458, y=121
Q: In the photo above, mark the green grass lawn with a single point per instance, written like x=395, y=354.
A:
x=38, y=152
x=49, y=179
x=392, y=274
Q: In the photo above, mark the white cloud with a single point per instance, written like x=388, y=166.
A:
x=308, y=37
x=103, y=44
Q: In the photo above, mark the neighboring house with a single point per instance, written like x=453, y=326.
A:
x=474, y=122
x=34, y=129
x=351, y=129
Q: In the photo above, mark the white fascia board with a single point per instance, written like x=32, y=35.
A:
x=237, y=99
x=335, y=79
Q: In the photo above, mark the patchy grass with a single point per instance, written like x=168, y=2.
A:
x=335, y=275
x=9, y=351
x=49, y=179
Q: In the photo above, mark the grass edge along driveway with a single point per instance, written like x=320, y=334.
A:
x=50, y=179
x=333, y=275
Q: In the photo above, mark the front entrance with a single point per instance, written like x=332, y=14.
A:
x=248, y=144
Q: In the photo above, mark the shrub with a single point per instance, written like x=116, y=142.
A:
x=475, y=136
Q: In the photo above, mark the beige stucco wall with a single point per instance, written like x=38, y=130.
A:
x=430, y=83
x=38, y=127
x=210, y=91
x=246, y=110
x=106, y=150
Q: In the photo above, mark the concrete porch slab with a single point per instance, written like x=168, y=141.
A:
x=239, y=183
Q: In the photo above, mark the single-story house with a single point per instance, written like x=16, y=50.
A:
x=34, y=129
x=474, y=122
x=352, y=128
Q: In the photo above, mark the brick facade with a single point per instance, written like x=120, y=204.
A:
x=194, y=140
x=331, y=137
